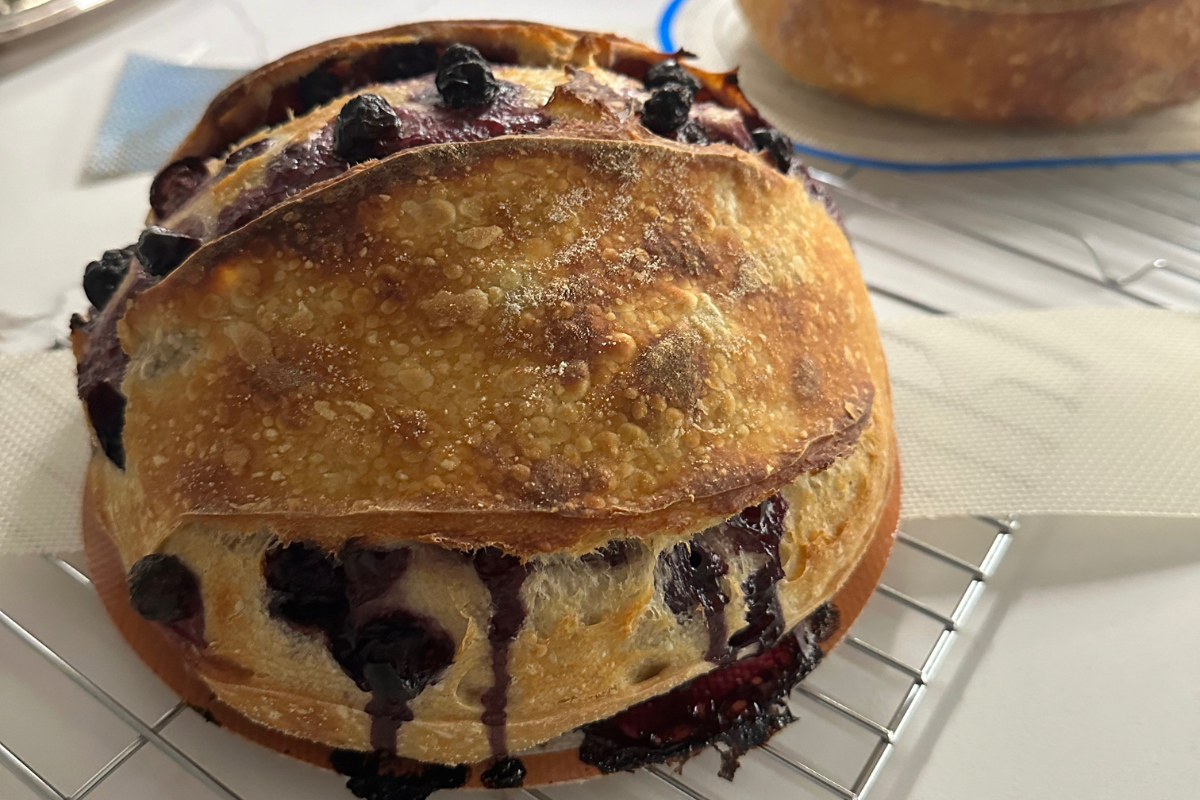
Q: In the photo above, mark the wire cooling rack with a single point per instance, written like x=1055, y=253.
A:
x=80, y=710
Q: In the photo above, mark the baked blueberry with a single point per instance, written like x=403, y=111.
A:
x=161, y=250
x=464, y=78
x=400, y=654
x=691, y=578
x=163, y=589
x=367, y=127
x=101, y=278
x=666, y=110
x=506, y=773
x=775, y=143
x=317, y=88
x=398, y=62
x=308, y=587
x=371, y=573
x=174, y=185
x=824, y=621
x=670, y=71
x=106, y=410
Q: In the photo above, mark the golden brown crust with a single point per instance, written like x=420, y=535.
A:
x=972, y=61
x=534, y=343
x=540, y=343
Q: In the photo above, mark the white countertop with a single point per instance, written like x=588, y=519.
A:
x=1075, y=676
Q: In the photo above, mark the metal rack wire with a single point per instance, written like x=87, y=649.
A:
x=1099, y=271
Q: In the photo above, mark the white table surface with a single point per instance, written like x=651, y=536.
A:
x=1076, y=677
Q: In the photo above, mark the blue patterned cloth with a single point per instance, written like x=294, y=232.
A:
x=153, y=107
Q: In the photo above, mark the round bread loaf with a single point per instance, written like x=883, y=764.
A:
x=1040, y=62
x=475, y=382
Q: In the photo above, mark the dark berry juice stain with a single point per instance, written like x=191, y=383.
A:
x=759, y=529
x=503, y=575
x=106, y=410
x=164, y=589
x=399, y=62
x=691, y=579
x=735, y=708
x=393, y=655
x=381, y=776
x=505, y=773
x=299, y=166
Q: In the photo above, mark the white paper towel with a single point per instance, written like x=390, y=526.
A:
x=1091, y=411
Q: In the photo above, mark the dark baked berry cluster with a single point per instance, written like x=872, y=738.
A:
x=161, y=250
x=101, y=278
x=367, y=127
x=464, y=78
x=674, y=89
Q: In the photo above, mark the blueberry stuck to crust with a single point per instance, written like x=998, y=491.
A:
x=506, y=773
x=175, y=184
x=163, y=589
x=464, y=78
x=101, y=278
x=365, y=128
x=106, y=410
x=161, y=250
x=667, y=108
x=775, y=143
x=670, y=71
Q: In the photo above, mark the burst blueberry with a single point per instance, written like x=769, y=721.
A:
x=464, y=78
x=101, y=278
x=670, y=71
x=667, y=108
x=106, y=410
x=367, y=127
x=163, y=589
x=161, y=250
x=778, y=146
x=175, y=184
x=307, y=586
x=506, y=773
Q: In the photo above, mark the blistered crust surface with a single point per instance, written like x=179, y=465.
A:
x=975, y=63
x=532, y=343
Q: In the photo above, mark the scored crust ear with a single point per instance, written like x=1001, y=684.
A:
x=533, y=343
